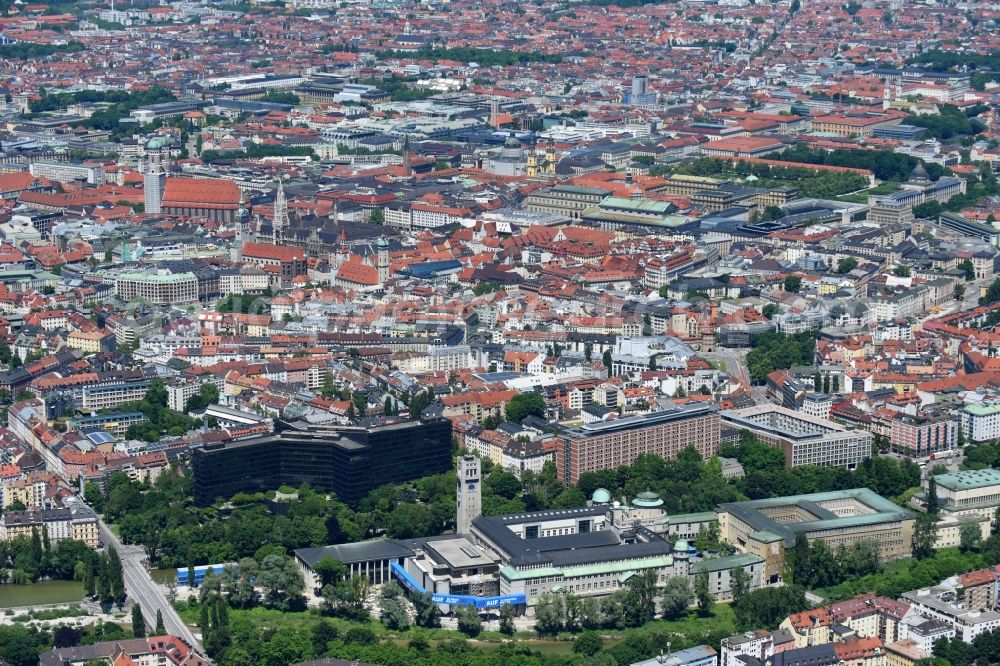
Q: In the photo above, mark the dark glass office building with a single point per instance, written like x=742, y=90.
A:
x=350, y=461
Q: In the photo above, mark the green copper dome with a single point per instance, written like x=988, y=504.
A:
x=681, y=546
x=156, y=143
x=601, y=496
x=647, y=500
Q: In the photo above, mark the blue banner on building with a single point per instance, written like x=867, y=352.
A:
x=480, y=602
x=410, y=583
x=199, y=573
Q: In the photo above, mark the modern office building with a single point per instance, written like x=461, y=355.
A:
x=113, y=393
x=159, y=288
x=768, y=527
x=981, y=421
x=66, y=172
x=955, y=222
x=817, y=405
x=350, y=461
x=805, y=439
x=610, y=444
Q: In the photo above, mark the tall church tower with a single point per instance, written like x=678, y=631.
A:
x=407, y=158
x=469, y=498
x=154, y=180
x=280, y=222
x=550, y=157
x=339, y=258
x=242, y=228
x=383, y=260
x=532, y=166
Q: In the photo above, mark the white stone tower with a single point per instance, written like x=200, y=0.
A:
x=154, y=180
x=469, y=493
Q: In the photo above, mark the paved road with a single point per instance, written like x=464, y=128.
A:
x=141, y=588
x=734, y=362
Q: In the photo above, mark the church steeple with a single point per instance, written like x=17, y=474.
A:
x=383, y=260
x=342, y=242
x=532, y=166
x=280, y=221
x=407, y=165
x=550, y=157
x=340, y=257
x=242, y=222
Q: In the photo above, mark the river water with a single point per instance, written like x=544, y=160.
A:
x=42, y=592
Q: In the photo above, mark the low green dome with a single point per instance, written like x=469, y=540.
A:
x=647, y=500
x=601, y=496
x=681, y=546
x=156, y=143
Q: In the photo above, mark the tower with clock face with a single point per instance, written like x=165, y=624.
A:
x=469, y=493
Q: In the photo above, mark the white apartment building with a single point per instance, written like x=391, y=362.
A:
x=981, y=422
x=158, y=289
x=110, y=395
x=756, y=644
x=435, y=359
x=935, y=603
x=64, y=172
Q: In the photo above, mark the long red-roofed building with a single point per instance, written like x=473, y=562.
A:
x=216, y=200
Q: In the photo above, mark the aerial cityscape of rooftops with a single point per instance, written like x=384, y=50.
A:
x=500, y=332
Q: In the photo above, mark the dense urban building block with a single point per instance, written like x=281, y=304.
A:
x=349, y=461
x=610, y=444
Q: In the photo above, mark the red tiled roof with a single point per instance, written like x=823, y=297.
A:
x=201, y=191
x=277, y=252
x=358, y=272
x=20, y=180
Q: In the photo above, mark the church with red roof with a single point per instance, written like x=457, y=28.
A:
x=216, y=200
